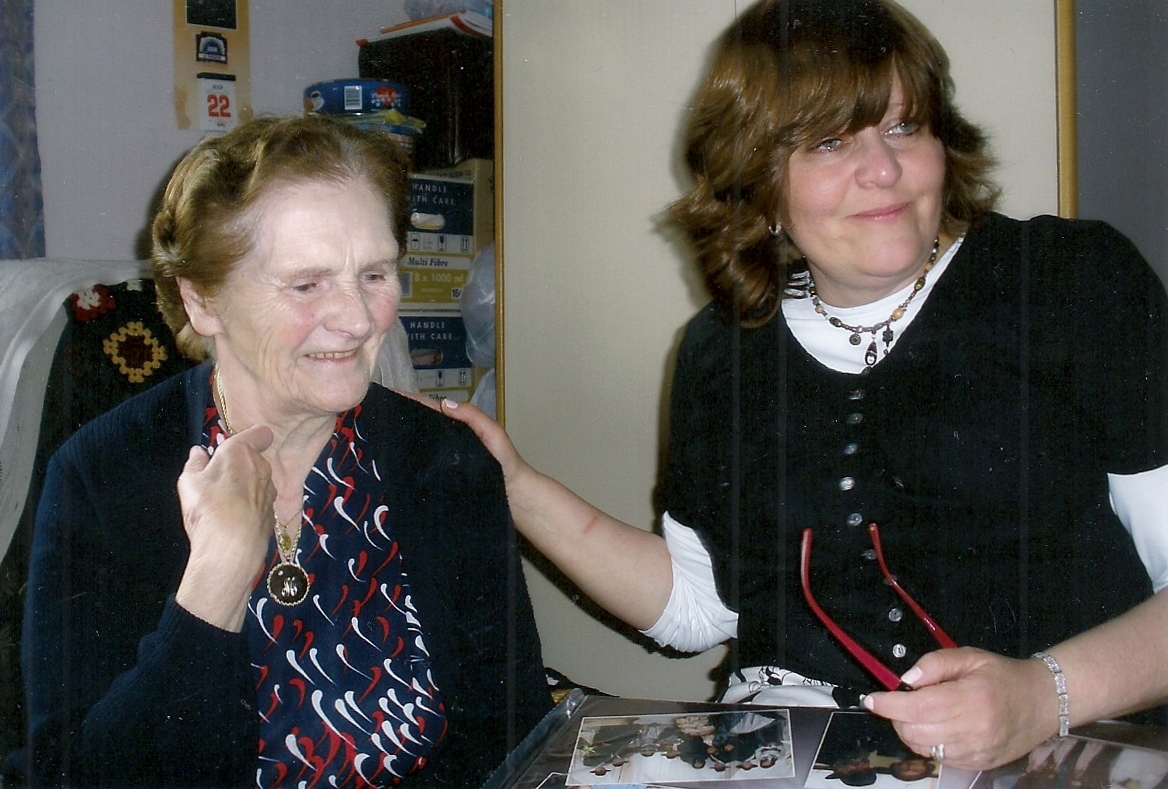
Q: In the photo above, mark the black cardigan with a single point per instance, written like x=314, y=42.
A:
x=980, y=446
x=126, y=688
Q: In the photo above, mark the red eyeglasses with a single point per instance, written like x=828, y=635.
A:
x=884, y=675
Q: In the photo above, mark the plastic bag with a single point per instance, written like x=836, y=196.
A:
x=484, y=395
x=478, y=308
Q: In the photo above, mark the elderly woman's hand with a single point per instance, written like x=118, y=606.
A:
x=984, y=709
x=227, y=513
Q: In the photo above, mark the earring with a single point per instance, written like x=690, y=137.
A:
x=776, y=228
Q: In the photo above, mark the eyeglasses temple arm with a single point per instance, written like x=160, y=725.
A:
x=942, y=637
x=882, y=673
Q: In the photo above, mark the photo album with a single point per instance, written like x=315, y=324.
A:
x=621, y=743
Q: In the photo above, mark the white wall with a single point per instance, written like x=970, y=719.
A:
x=594, y=91
x=105, y=117
x=1122, y=102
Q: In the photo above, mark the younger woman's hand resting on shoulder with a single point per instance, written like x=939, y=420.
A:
x=494, y=438
x=227, y=513
x=624, y=569
x=525, y=485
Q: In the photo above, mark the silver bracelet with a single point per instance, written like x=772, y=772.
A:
x=1060, y=687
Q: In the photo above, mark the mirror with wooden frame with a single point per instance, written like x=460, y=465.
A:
x=593, y=290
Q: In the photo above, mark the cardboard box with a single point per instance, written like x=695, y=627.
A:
x=480, y=172
x=438, y=350
x=433, y=282
x=441, y=215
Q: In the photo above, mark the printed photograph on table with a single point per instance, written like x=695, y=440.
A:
x=670, y=749
x=1082, y=762
x=859, y=749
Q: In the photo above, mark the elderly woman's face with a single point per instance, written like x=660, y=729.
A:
x=864, y=208
x=305, y=312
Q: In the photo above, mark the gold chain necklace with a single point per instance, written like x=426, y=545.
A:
x=221, y=403
x=287, y=582
x=286, y=542
x=870, y=355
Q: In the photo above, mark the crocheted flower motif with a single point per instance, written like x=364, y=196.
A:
x=135, y=351
x=90, y=303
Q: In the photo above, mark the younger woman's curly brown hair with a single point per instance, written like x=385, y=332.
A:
x=789, y=73
x=205, y=225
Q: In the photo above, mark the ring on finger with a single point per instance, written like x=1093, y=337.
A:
x=938, y=752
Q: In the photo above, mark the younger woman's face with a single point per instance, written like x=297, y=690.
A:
x=864, y=207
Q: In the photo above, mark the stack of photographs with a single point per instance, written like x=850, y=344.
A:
x=620, y=743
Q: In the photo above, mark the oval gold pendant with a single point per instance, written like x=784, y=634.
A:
x=288, y=584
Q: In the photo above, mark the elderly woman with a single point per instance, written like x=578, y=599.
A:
x=266, y=571
x=892, y=383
